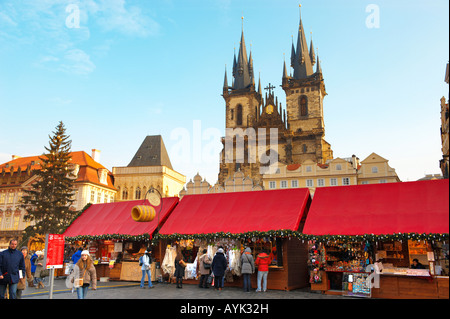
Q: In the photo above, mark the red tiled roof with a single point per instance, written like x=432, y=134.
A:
x=88, y=171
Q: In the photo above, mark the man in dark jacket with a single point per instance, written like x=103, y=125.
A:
x=11, y=262
x=218, y=266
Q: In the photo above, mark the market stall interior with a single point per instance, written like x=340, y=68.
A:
x=397, y=231
x=260, y=220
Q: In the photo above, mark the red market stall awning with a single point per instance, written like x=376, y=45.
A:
x=238, y=212
x=380, y=209
x=114, y=219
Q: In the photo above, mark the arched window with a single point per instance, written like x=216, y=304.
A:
x=125, y=193
x=137, y=193
x=303, y=106
x=239, y=115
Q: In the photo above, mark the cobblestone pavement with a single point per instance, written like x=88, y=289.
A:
x=131, y=290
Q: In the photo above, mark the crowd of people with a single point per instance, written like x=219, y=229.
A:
x=19, y=268
x=212, y=270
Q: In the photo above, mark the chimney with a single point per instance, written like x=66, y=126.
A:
x=95, y=155
x=15, y=157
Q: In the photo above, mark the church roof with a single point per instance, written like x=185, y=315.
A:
x=152, y=152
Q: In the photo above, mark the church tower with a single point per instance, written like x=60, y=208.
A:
x=305, y=91
x=242, y=109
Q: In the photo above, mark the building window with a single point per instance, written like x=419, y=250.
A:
x=303, y=106
x=382, y=181
x=138, y=193
x=309, y=183
x=125, y=193
x=345, y=181
x=333, y=181
x=338, y=167
x=272, y=185
x=92, y=196
x=2, y=198
x=308, y=168
x=283, y=184
x=294, y=183
x=364, y=182
x=239, y=115
x=374, y=169
x=320, y=182
x=16, y=222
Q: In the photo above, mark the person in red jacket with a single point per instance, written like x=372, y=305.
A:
x=262, y=262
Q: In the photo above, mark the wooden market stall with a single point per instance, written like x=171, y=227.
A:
x=116, y=241
x=383, y=227
x=257, y=219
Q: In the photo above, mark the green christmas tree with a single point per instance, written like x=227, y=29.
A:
x=47, y=202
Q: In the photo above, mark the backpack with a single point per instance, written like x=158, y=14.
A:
x=141, y=262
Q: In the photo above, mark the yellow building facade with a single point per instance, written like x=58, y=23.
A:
x=336, y=172
x=149, y=168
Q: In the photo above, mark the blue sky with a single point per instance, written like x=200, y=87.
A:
x=137, y=67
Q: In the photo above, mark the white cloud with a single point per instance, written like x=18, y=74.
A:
x=42, y=25
x=78, y=62
x=114, y=15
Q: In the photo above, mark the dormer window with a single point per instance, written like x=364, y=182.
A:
x=103, y=176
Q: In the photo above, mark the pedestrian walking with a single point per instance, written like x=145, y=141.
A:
x=85, y=275
x=27, y=277
x=204, y=268
x=247, y=268
x=40, y=272
x=146, y=261
x=262, y=262
x=12, y=268
x=33, y=257
x=218, y=266
x=180, y=267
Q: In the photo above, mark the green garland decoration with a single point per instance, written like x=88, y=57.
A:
x=143, y=237
x=286, y=233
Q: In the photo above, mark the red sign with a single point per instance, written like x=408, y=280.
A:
x=54, y=251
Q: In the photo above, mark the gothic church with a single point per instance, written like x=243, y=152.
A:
x=300, y=127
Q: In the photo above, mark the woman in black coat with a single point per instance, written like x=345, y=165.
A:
x=179, y=270
x=218, y=266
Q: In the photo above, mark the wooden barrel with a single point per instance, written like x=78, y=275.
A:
x=143, y=213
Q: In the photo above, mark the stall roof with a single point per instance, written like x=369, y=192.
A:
x=380, y=209
x=238, y=212
x=115, y=219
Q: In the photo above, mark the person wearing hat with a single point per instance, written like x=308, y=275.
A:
x=218, y=266
x=85, y=275
x=146, y=261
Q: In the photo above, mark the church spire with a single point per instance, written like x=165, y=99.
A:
x=225, y=81
x=243, y=71
x=301, y=60
x=312, y=54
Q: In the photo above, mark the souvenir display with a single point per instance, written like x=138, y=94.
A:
x=356, y=285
